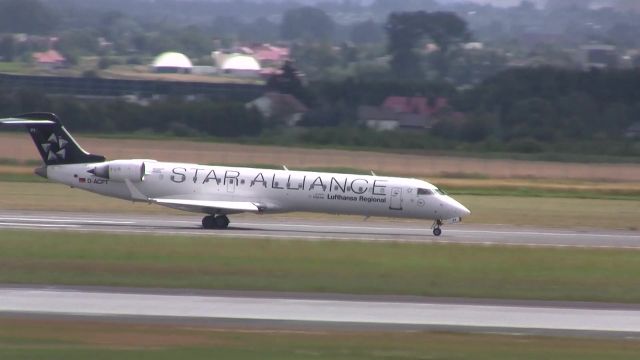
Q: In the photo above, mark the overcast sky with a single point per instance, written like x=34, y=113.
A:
x=494, y=2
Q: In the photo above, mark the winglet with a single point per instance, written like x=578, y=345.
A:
x=285, y=167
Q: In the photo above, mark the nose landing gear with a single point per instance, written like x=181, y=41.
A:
x=436, y=227
x=215, y=222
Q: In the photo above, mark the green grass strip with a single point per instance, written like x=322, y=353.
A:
x=340, y=267
x=65, y=340
x=24, y=178
x=605, y=194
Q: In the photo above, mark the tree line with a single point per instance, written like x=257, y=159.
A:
x=173, y=116
x=522, y=110
x=548, y=104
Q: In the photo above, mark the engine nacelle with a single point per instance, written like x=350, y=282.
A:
x=121, y=170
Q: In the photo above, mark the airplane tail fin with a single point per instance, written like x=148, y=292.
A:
x=54, y=143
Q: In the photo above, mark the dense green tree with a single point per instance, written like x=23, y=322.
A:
x=226, y=27
x=471, y=67
x=223, y=119
x=367, y=32
x=577, y=114
x=193, y=41
x=307, y=24
x=78, y=42
x=260, y=30
x=26, y=16
x=315, y=59
x=531, y=118
x=7, y=48
x=386, y=6
x=445, y=29
x=547, y=103
x=289, y=81
x=407, y=30
x=121, y=30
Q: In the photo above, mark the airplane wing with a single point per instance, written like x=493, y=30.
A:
x=210, y=207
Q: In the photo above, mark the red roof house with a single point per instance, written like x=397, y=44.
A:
x=401, y=112
x=51, y=58
x=269, y=55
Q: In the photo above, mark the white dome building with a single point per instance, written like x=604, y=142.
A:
x=172, y=62
x=241, y=62
x=237, y=64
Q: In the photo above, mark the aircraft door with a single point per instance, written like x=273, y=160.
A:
x=231, y=185
x=395, y=202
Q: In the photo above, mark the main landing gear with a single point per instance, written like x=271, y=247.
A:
x=436, y=227
x=215, y=222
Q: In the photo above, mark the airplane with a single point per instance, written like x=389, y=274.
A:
x=220, y=191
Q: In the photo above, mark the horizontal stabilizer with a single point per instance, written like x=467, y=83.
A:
x=18, y=121
x=209, y=206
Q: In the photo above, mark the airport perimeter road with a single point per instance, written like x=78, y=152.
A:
x=326, y=229
x=352, y=312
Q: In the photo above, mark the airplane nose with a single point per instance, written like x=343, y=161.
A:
x=458, y=209
x=464, y=211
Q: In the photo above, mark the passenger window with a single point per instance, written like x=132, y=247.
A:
x=425, y=192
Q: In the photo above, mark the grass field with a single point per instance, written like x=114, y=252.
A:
x=332, y=267
x=14, y=67
x=141, y=72
x=22, y=339
x=486, y=209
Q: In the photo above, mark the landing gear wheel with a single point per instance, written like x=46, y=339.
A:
x=436, y=227
x=222, y=222
x=208, y=222
x=215, y=222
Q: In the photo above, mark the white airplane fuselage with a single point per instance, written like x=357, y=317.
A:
x=218, y=191
x=272, y=190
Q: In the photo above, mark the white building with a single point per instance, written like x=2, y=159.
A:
x=237, y=64
x=172, y=62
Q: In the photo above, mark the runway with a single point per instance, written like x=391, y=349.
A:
x=326, y=228
x=353, y=313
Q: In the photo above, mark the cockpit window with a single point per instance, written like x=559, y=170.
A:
x=425, y=192
x=441, y=192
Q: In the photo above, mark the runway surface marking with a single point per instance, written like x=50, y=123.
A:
x=23, y=225
x=332, y=230
x=344, y=227
x=92, y=303
x=53, y=219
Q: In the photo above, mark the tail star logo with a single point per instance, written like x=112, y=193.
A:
x=55, y=148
